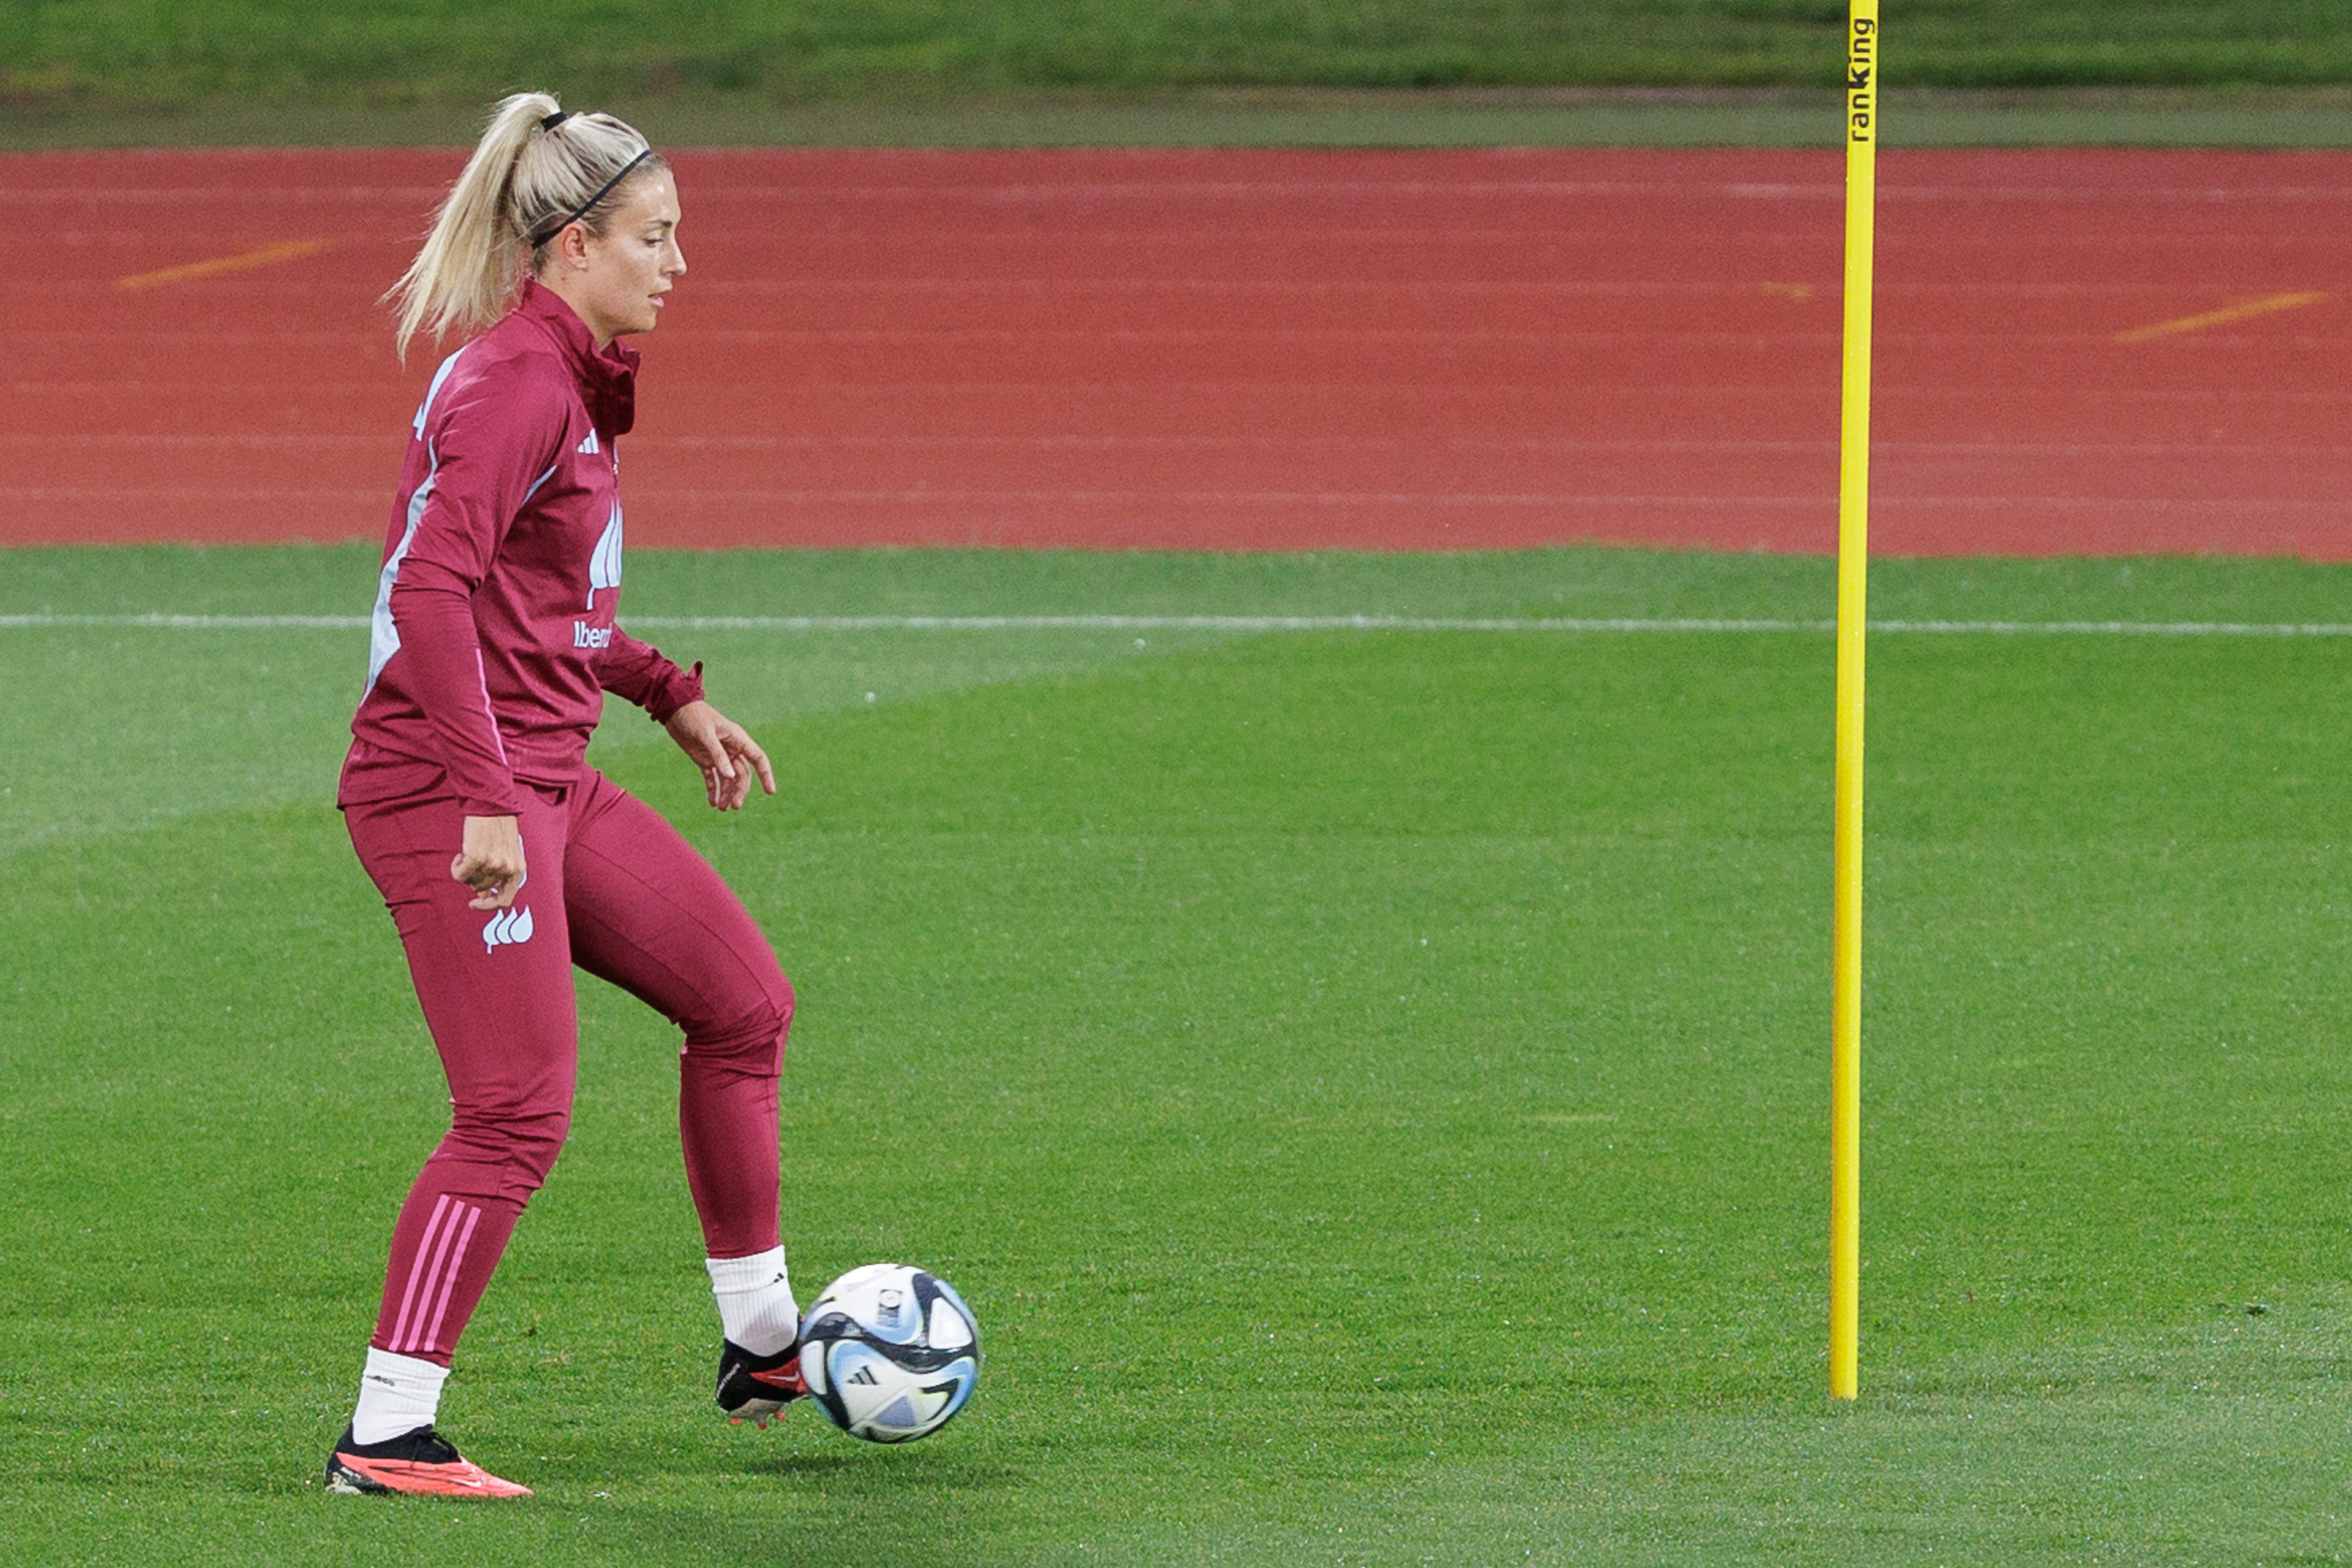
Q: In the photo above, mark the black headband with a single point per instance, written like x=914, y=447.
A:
x=583, y=209
x=555, y=119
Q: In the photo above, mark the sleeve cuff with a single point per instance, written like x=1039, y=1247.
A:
x=475, y=807
x=676, y=689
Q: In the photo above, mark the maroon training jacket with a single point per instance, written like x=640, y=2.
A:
x=493, y=640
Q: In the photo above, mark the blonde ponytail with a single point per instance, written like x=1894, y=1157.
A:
x=535, y=172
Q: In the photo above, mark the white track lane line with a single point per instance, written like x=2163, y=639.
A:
x=1258, y=624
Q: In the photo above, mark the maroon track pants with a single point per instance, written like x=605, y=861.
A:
x=613, y=888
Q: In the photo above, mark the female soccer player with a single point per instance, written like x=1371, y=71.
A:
x=504, y=858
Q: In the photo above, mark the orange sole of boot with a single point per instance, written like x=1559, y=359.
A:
x=409, y=1478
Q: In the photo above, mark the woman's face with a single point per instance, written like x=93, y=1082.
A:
x=616, y=281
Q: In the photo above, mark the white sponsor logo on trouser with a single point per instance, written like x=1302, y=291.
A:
x=506, y=928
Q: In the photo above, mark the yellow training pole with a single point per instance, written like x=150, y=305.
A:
x=1854, y=576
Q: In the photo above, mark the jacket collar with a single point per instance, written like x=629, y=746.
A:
x=607, y=378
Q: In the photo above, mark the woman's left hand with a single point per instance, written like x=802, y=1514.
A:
x=727, y=755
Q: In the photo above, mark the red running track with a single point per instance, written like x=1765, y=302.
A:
x=1254, y=350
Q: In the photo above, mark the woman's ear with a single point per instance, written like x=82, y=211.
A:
x=572, y=247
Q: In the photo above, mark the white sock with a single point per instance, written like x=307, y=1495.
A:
x=397, y=1394
x=756, y=1309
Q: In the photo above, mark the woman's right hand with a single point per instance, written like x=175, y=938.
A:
x=491, y=863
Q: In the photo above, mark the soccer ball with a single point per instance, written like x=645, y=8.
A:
x=889, y=1352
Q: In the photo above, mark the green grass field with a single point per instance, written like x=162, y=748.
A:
x=1371, y=1086
x=1764, y=117
x=128, y=73
x=133, y=52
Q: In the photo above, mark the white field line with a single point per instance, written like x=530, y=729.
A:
x=1560, y=624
